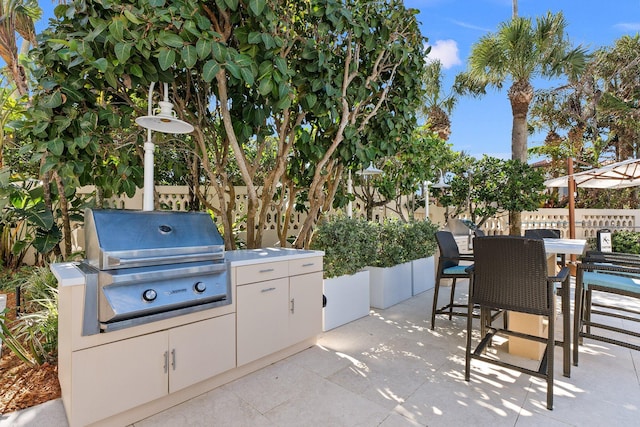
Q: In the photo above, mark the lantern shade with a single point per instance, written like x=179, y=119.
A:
x=370, y=171
x=164, y=121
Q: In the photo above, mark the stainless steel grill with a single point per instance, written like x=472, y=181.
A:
x=145, y=266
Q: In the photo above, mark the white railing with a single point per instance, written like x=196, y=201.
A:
x=588, y=221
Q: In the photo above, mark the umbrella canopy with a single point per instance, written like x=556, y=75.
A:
x=616, y=175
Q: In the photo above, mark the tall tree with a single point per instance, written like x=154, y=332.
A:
x=328, y=80
x=487, y=186
x=519, y=52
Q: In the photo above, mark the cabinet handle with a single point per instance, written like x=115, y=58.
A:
x=268, y=290
x=166, y=362
x=309, y=264
x=266, y=270
x=293, y=305
x=173, y=358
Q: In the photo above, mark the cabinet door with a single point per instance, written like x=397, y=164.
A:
x=305, y=306
x=115, y=377
x=201, y=350
x=262, y=311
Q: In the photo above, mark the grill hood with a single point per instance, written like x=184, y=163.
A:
x=117, y=239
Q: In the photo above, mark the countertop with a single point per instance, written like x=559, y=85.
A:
x=263, y=255
x=69, y=275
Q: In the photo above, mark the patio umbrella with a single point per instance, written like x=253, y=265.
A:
x=615, y=175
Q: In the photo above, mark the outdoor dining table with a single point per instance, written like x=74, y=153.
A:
x=533, y=324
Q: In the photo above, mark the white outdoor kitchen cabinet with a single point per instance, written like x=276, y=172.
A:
x=277, y=306
x=122, y=375
x=119, y=377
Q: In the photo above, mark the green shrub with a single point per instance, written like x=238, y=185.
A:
x=400, y=242
x=33, y=336
x=391, y=251
x=349, y=244
x=626, y=241
x=419, y=239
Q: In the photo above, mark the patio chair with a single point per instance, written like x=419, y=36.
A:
x=449, y=268
x=510, y=273
x=547, y=233
x=607, y=274
x=612, y=257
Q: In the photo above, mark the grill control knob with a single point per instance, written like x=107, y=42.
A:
x=199, y=287
x=149, y=295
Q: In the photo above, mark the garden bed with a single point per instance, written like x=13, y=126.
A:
x=22, y=386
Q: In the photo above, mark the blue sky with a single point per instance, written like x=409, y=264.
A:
x=483, y=125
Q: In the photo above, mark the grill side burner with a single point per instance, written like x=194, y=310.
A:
x=146, y=266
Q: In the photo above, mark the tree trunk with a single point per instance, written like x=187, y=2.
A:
x=64, y=211
x=194, y=183
x=219, y=181
x=520, y=96
x=241, y=160
x=515, y=223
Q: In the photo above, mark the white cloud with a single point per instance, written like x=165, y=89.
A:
x=446, y=51
x=471, y=26
x=628, y=26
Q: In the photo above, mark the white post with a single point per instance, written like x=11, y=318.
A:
x=349, y=192
x=149, y=147
x=426, y=199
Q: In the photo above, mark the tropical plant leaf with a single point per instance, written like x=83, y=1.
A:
x=210, y=69
x=123, y=51
x=45, y=241
x=189, y=56
x=42, y=219
x=52, y=100
x=257, y=6
x=166, y=58
x=170, y=39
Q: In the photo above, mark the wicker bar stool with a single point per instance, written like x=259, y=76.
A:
x=510, y=273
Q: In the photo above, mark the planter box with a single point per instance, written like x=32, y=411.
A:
x=347, y=299
x=390, y=285
x=423, y=274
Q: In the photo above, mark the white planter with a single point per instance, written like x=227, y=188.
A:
x=390, y=285
x=347, y=299
x=423, y=274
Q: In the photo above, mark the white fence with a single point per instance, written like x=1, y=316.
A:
x=588, y=221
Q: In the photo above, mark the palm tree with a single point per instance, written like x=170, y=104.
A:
x=519, y=52
x=17, y=17
x=438, y=107
x=618, y=67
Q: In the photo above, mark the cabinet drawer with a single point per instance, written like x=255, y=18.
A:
x=305, y=265
x=260, y=272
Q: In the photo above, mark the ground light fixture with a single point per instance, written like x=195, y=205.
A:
x=163, y=119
